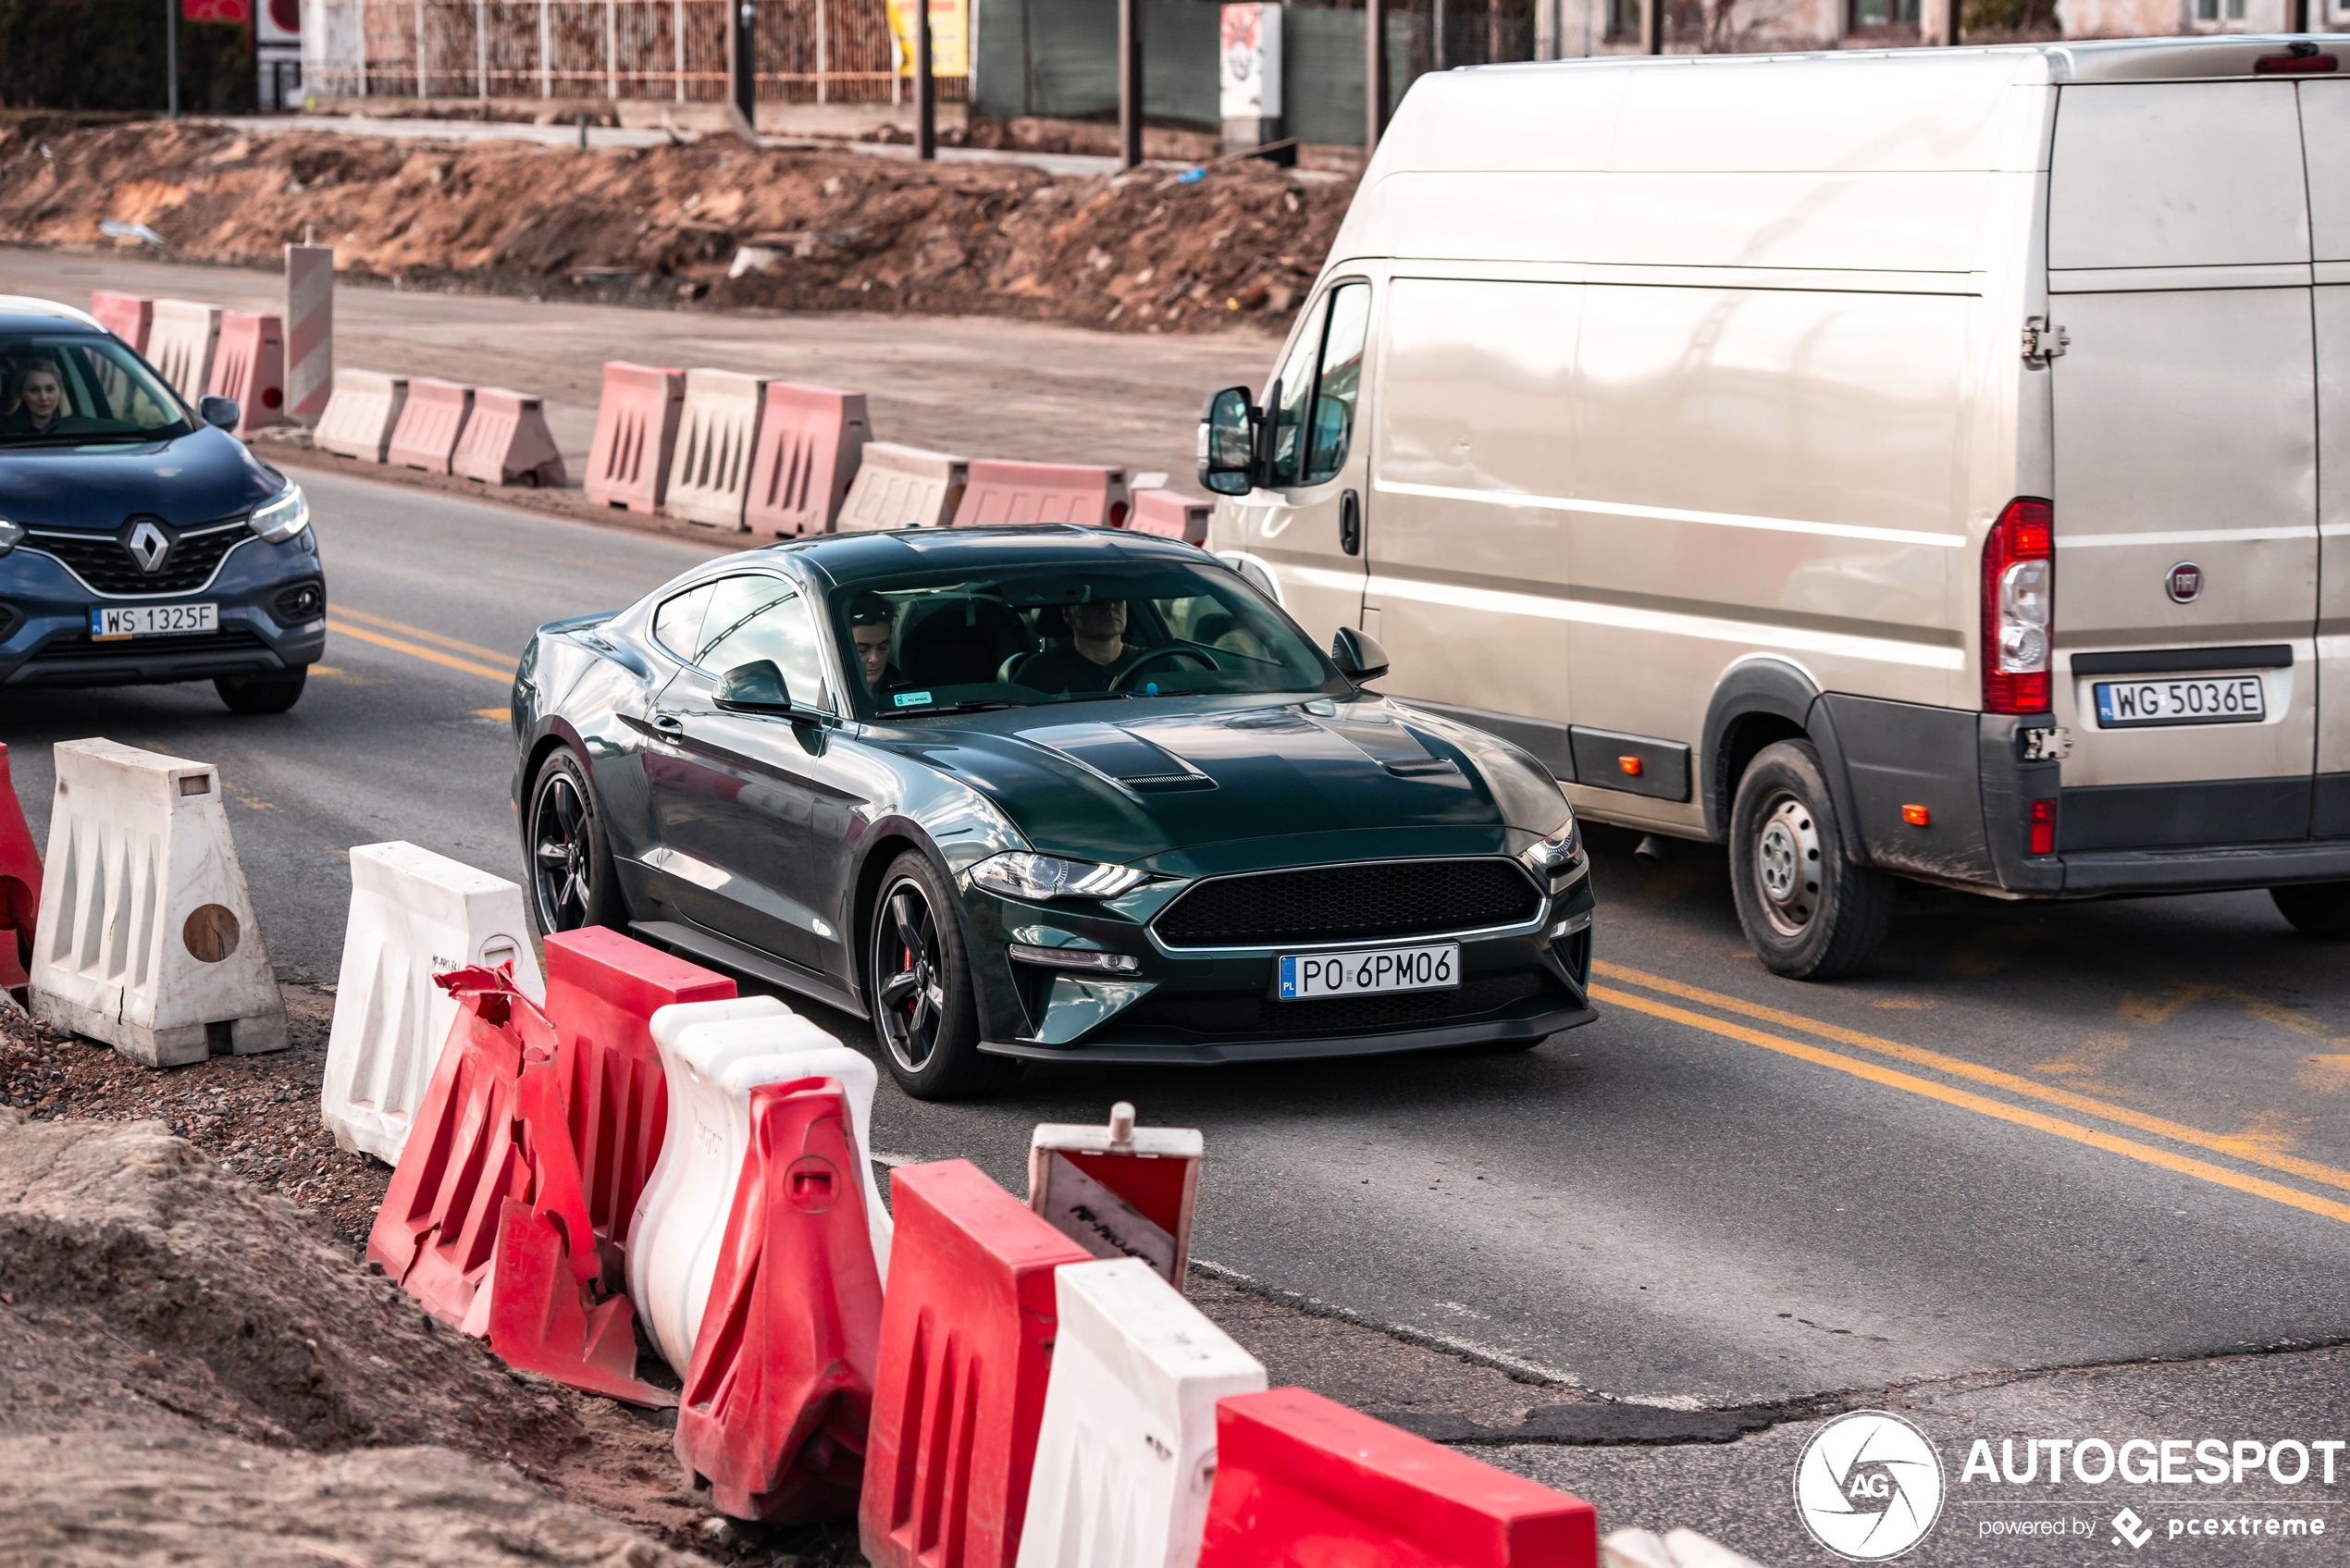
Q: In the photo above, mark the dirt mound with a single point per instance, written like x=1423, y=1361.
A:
x=1149, y=251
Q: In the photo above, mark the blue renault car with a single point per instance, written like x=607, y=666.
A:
x=141, y=543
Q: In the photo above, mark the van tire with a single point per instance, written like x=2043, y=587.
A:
x=2316, y=909
x=1811, y=913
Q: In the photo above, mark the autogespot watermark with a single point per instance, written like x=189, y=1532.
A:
x=1870, y=1486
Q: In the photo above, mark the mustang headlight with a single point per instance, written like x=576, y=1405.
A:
x=1551, y=855
x=10, y=534
x=282, y=518
x=1020, y=873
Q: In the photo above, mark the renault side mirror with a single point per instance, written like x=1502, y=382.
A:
x=1358, y=655
x=759, y=687
x=1227, y=443
x=221, y=413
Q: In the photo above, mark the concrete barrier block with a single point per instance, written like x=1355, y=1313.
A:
x=148, y=940
x=717, y=437
x=1013, y=494
x=899, y=486
x=506, y=442
x=636, y=435
x=431, y=425
x=249, y=364
x=362, y=415
x=180, y=344
x=810, y=441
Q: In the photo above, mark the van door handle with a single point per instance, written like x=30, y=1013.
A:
x=1350, y=523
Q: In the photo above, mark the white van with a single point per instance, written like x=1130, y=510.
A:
x=1931, y=465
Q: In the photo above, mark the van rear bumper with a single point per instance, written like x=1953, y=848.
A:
x=2204, y=868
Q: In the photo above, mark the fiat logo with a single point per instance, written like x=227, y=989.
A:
x=148, y=545
x=2185, y=584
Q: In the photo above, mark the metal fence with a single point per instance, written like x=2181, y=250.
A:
x=808, y=51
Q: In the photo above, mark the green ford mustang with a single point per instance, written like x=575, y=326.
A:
x=1045, y=793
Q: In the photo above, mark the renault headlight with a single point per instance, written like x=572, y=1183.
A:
x=1020, y=873
x=282, y=518
x=11, y=534
x=1549, y=857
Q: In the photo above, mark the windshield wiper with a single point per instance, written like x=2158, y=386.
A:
x=87, y=439
x=973, y=705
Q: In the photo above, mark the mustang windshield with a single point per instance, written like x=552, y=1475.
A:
x=72, y=388
x=1022, y=636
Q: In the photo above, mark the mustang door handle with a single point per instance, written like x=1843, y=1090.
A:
x=1350, y=523
x=669, y=724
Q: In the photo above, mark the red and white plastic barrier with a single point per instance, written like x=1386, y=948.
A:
x=1676, y=1549
x=1119, y=1191
x=431, y=424
x=310, y=331
x=127, y=316
x=635, y=434
x=181, y=337
x=1126, y=1453
x=779, y=1395
x=506, y=442
x=1017, y=493
x=19, y=890
x=415, y=915
x=477, y=1221
x=1172, y=515
x=362, y=415
x=899, y=487
x=249, y=364
x=713, y=1054
x=717, y=437
x=810, y=442
x=967, y=1336
x=602, y=991
x=1300, y=1478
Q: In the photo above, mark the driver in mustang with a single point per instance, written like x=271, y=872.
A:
x=1095, y=649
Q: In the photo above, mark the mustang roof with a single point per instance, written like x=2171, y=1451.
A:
x=849, y=559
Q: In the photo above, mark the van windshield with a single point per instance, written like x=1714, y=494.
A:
x=68, y=388
x=1014, y=636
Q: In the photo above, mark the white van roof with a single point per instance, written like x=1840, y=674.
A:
x=1450, y=176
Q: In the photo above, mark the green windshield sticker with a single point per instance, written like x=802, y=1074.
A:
x=912, y=698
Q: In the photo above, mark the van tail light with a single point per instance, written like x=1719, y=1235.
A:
x=2019, y=607
x=2043, y=827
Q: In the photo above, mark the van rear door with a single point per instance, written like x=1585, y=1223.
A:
x=2325, y=132
x=2186, y=414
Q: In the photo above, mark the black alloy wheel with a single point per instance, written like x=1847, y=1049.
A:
x=571, y=878
x=924, y=1016
x=1810, y=912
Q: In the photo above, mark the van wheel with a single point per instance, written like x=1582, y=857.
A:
x=1811, y=913
x=2316, y=909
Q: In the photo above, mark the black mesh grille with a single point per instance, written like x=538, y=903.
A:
x=83, y=649
x=1226, y=1017
x=105, y=563
x=1345, y=903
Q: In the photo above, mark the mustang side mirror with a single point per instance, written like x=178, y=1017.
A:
x=221, y=413
x=759, y=687
x=1228, y=465
x=1358, y=655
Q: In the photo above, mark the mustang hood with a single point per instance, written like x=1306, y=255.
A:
x=1131, y=786
x=204, y=477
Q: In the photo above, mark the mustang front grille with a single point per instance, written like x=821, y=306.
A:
x=1320, y=904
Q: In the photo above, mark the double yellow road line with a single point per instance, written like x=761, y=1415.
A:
x=418, y=643
x=2239, y=1149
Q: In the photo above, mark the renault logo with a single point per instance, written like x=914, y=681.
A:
x=148, y=545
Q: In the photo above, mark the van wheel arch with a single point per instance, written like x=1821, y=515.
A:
x=1755, y=704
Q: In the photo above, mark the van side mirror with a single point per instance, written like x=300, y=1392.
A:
x=1358, y=655
x=221, y=413
x=759, y=687
x=1227, y=463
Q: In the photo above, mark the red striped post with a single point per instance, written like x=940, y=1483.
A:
x=310, y=331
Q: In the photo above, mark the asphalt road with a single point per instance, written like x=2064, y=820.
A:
x=2034, y=1138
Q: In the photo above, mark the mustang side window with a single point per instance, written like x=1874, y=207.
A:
x=677, y=624
x=754, y=618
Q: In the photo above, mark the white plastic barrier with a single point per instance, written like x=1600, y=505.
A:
x=903, y=487
x=414, y=915
x=181, y=342
x=1676, y=1549
x=362, y=415
x=713, y=1055
x=147, y=939
x=717, y=437
x=1126, y=1456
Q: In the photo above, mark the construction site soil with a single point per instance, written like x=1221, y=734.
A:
x=1157, y=250
x=198, y=1366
